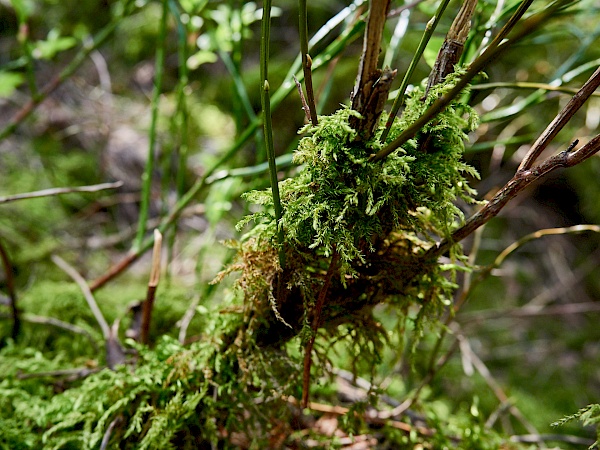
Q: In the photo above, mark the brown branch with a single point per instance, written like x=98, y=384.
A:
x=561, y=120
x=60, y=191
x=453, y=45
x=305, y=107
x=315, y=326
x=115, y=270
x=87, y=293
x=520, y=181
x=372, y=84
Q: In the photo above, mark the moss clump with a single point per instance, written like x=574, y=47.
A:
x=377, y=217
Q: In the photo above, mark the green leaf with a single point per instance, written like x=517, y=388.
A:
x=55, y=44
x=9, y=81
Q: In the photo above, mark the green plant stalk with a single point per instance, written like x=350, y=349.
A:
x=268, y=127
x=307, y=62
x=429, y=29
x=149, y=169
x=179, y=125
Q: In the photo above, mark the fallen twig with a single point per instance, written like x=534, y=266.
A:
x=60, y=191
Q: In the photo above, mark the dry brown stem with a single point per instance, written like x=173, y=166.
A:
x=561, y=120
x=521, y=180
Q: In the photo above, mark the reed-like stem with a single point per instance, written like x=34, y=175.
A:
x=268, y=127
x=149, y=169
x=307, y=63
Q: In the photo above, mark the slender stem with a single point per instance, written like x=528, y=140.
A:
x=315, y=326
x=561, y=120
x=429, y=29
x=60, y=191
x=268, y=128
x=517, y=183
x=307, y=62
x=149, y=169
x=87, y=293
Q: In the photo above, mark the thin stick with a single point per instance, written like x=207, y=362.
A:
x=152, y=285
x=32, y=318
x=561, y=120
x=315, y=326
x=520, y=181
x=87, y=293
x=60, y=191
x=302, y=99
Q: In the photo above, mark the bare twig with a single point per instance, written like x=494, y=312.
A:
x=315, y=326
x=152, y=285
x=72, y=374
x=305, y=107
x=561, y=120
x=60, y=191
x=492, y=383
x=372, y=84
x=520, y=181
x=106, y=438
x=87, y=293
x=32, y=318
x=453, y=45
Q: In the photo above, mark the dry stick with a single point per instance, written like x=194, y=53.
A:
x=32, y=318
x=453, y=45
x=491, y=381
x=520, y=181
x=561, y=120
x=60, y=191
x=87, y=293
x=315, y=326
x=12, y=294
x=372, y=85
x=305, y=107
x=152, y=285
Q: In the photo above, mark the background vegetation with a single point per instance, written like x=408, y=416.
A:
x=90, y=90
